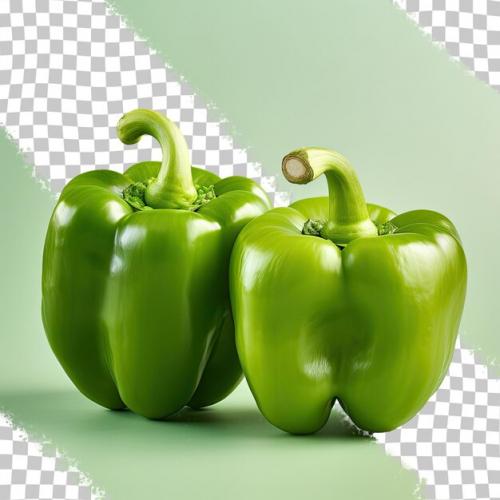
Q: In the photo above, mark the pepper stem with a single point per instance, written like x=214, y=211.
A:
x=348, y=218
x=173, y=188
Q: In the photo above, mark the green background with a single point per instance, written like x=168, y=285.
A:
x=355, y=76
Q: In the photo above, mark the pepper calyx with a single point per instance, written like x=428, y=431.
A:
x=386, y=228
x=134, y=194
x=204, y=194
x=313, y=227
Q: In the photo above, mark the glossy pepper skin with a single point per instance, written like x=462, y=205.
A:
x=135, y=300
x=364, y=309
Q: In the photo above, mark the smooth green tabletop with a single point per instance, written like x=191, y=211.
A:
x=355, y=76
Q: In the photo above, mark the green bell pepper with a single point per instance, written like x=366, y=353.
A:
x=336, y=299
x=135, y=277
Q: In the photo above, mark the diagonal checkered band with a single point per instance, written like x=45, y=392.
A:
x=73, y=69
x=454, y=441
x=27, y=472
x=468, y=29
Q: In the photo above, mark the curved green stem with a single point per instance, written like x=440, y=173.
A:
x=348, y=218
x=173, y=188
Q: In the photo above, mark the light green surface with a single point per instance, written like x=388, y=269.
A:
x=359, y=77
x=229, y=451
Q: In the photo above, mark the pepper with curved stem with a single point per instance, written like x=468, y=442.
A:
x=135, y=295
x=174, y=187
x=348, y=216
x=372, y=326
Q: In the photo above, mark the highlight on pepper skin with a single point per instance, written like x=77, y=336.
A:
x=338, y=299
x=135, y=298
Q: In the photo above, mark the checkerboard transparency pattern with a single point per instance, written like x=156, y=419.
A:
x=454, y=442
x=68, y=70
x=28, y=472
x=468, y=29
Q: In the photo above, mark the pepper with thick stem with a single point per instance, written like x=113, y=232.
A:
x=135, y=299
x=348, y=216
x=336, y=299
